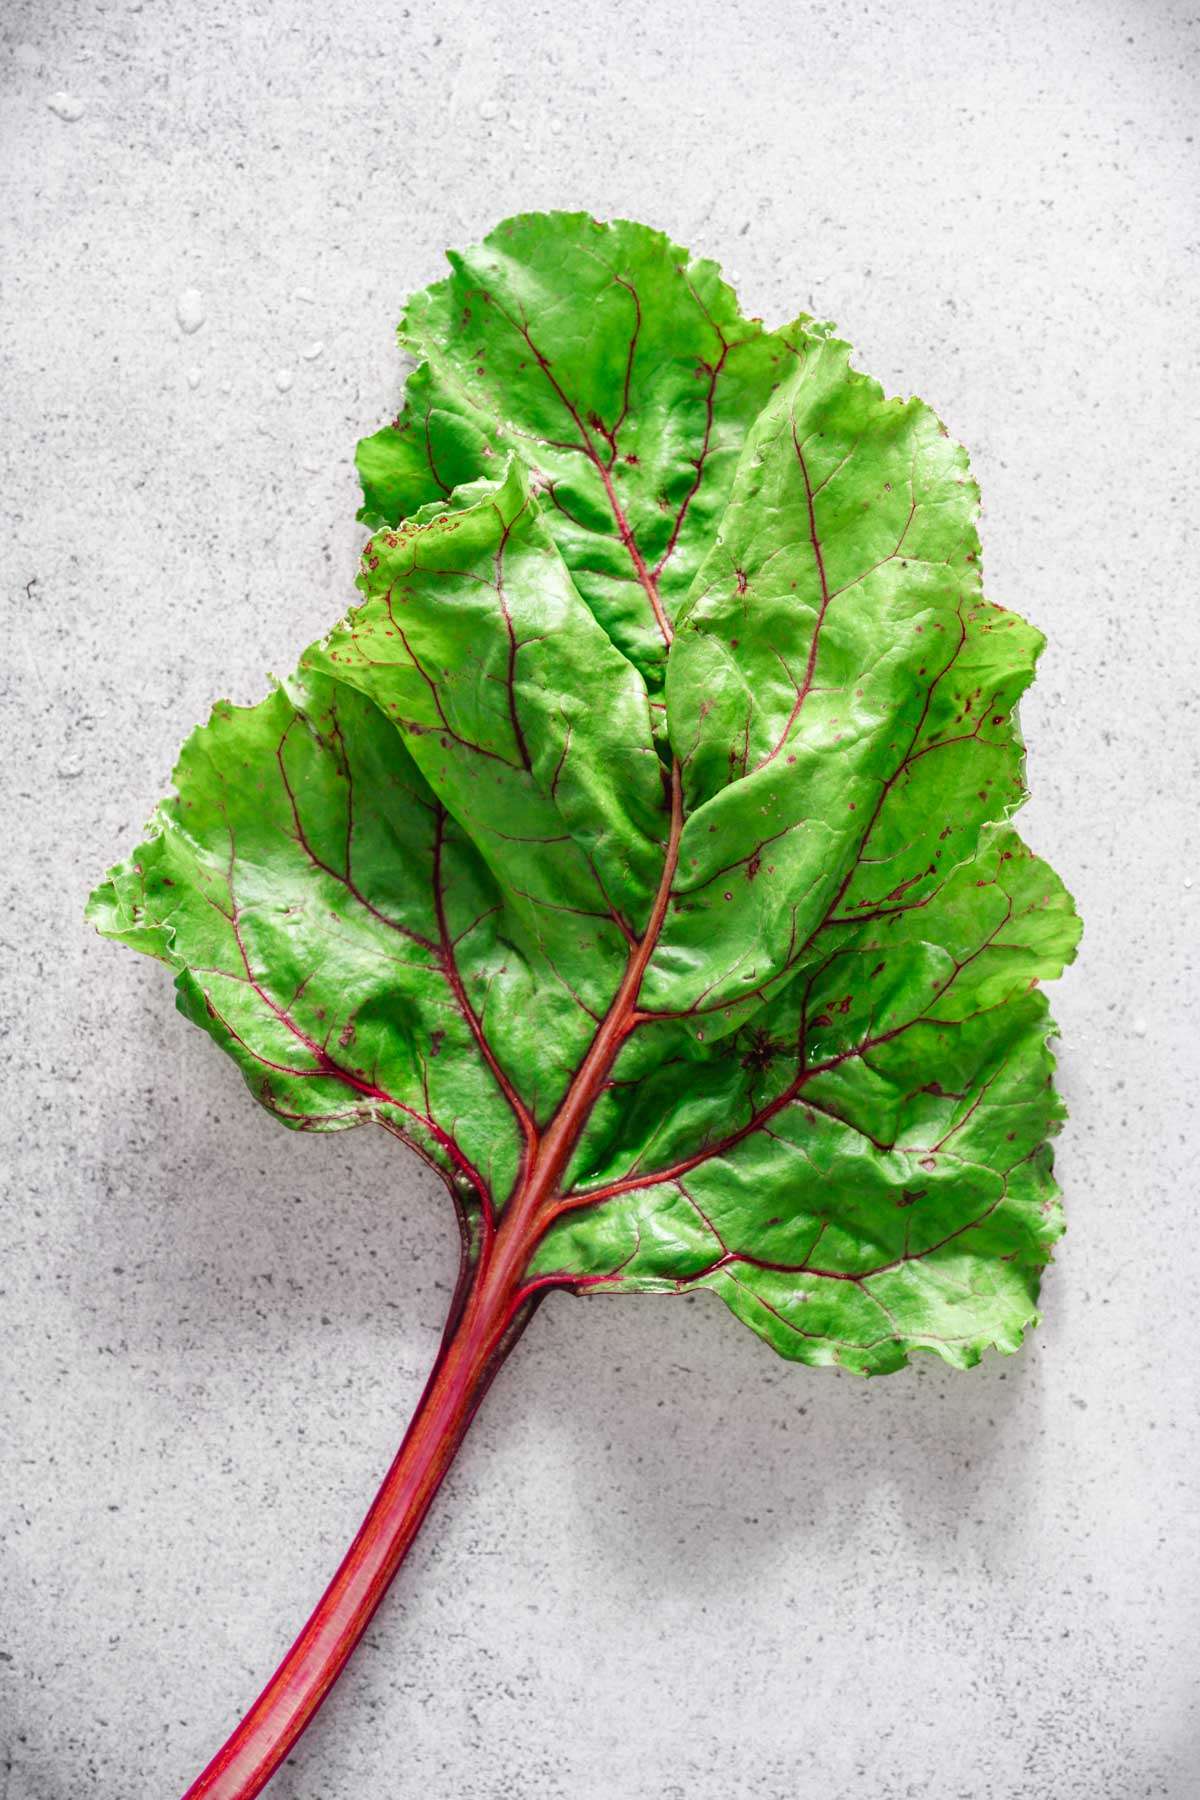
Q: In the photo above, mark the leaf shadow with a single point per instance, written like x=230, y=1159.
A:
x=689, y=1416
x=694, y=1455
x=704, y=1445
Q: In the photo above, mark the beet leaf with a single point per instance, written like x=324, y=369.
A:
x=637, y=851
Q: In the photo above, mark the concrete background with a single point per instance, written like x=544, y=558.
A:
x=667, y=1565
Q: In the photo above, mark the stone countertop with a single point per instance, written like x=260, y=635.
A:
x=667, y=1564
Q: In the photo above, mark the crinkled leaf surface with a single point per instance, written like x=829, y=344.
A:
x=658, y=786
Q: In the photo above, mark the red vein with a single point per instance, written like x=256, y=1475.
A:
x=829, y=918
x=429, y=456
x=435, y=696
x=588, y=447
x=622, y=1017
x=327, y=1065
x=458, y=987
x=722, y=1146
x=513, y=646
x=714, y=375
x=855, y=1277
x=805, y=687
x=633, y=340
x=347, y=880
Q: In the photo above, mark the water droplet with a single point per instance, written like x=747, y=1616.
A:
x=312, y=351
x=193, y=378
x=1187, y=881
x=284, y=379
x=189, y=310
x=66, y=106
x=226, y=387
x=313, y=464
x=556, y=126
x=305, y=296
x=489, y=108
x=1140, y=1027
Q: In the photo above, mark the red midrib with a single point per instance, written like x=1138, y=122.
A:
x=499, y=1298
x=499, y=1301
x=563, y=1132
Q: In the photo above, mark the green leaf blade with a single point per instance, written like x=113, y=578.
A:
x=840, y=697
x=290, y=884
x=510, y=696
x=619, y=369
x=882, y=1130
x=638, y=848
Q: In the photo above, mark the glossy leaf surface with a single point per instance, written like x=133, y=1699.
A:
x=651, y=806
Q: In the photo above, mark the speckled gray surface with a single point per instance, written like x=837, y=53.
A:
x=667, y=1564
